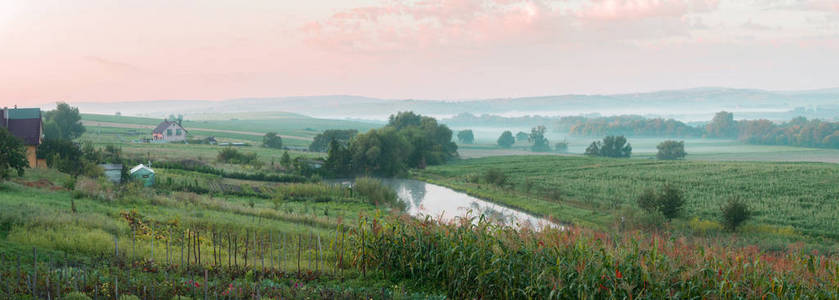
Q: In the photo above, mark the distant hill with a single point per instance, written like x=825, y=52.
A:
x=688, y=105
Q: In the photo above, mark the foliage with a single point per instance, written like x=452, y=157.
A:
x=466, y=136
x=486, y=261
x=670, y=149
x=233, y=156
x=272, y=140
x=561, y=147
x=285, y=161
x=626, y=125
x=537, y=137
x=506, y=140
x=522, y=136
x=612, y=146
x=64, y=122
x=376, y=193
x=797, y=132
x=733, y=213
x=76, y=296
x=495, y=176
x=322, y=140
x=408, y=141
x=722, y=126
x=339, y=161
x=669, y=202
x=12, y=154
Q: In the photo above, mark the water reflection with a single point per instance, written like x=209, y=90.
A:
x=445, y=204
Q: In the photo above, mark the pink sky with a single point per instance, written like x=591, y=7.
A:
x=107, y=51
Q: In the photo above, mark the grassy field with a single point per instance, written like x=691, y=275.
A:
x=105, y=241
x=697, y=149
x=791, y=201
x=297, y=130
x=135, y=238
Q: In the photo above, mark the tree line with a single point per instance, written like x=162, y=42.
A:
x=408, y=141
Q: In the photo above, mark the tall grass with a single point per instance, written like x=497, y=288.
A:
x=488, y=261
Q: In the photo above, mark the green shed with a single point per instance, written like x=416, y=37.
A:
x=142, y=173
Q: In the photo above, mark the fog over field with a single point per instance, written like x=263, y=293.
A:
x=698, y=104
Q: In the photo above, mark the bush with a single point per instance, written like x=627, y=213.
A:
x=128, y=297
x=496, y=177
x=668, y=202
x=671, y=150
x=734, y=213
x=376, y=193
x=76, y=296
x=233, y=156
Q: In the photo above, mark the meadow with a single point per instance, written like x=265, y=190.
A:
x=791, y=201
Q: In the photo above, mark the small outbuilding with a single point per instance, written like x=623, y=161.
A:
x=142, y=173
x=113, y=172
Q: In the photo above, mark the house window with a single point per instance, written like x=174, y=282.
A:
x=177, y=132
x=169, y=132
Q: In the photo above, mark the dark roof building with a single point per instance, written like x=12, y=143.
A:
x=24, y=123
x=169, y=131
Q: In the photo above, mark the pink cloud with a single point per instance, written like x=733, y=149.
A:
x=641, y=9
x=406, y=26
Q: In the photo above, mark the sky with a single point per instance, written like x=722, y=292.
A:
x=111, y=51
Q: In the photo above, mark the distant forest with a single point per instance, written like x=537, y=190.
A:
x=797, y=132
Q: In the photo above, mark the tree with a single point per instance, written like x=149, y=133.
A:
x=671, y=150
x=12, y=154
x=466, y=136
x=323, y=139
x=404, y=119
x=593, y=149
x=285, y=160
x=734, y=213
x=537, y=137
x=506, y=140
x=522, y=136
x=61, y=154
x=669, y=202
x=561, y=147
x=722, y=126
x=67, y=120
x=339, y=160
x=272, y=140
x=615, y=146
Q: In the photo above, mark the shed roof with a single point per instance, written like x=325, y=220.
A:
x=24, y=113
x=140, y=167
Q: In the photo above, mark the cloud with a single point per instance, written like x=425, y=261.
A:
x=750, y=25
x=399, y=26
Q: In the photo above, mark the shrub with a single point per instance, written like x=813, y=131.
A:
x=128, y=297
x=76, y=296
x=376, y=193
x=668, y=202
x=233, y=156
x=734, y=213
x=495, y=176
x=671, y=150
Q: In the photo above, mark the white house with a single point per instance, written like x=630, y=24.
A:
x=169, y=131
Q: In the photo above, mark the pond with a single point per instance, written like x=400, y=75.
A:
x=445, y=204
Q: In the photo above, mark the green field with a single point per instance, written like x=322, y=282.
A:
x=789, y=199
x=298, y=129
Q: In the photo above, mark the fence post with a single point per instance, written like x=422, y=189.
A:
x=34, y=272
x=205, y=284
x=182, y=250
x=198, y=245
x=299, y=244
x=152, y=245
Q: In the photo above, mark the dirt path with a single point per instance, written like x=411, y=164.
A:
x=140, y=126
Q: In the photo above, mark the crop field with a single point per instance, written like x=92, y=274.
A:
x=318, y=241
x=788, y=199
